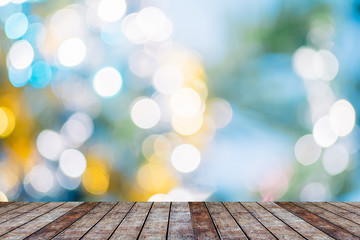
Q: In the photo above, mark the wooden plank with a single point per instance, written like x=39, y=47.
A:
x=347, y=207
x=331, y=217
x=322, y=224
x=38, y=223
x=2, y=204
x=131, y=226
x=250, y=225
x=339, y=211
x=272, y=223
x=156, y=223
x=107, y=225
x=19, y=211
x=304, y=228
x=63, y=222
x=355, y=204
x=81, y=226
x=12, y=206
x=180, y=224
x=26, y=217
x=225, y=224
x=204, y=227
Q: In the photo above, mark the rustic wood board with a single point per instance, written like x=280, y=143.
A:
x=179, y=220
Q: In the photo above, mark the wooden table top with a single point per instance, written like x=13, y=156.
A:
x=180, y=220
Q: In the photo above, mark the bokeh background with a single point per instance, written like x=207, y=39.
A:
x=179, y=100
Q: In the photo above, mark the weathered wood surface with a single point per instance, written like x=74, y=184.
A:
x=180, y=220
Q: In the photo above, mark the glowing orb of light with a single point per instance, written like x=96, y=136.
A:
x=185, y=102
x=50, y=144
x=21, y=54
x=145, y=113
x=71, y=52
x=323, y=134
x=185, y=158
x=72, y=163
x=7, y=122
x=41, y=74
x=167, y=79
x=111, y=10
x=41, y=179
x=335, y=159
x=306, y=150
x=19, y=77
x=16, y=25
x=107, y=82
x=342, y=117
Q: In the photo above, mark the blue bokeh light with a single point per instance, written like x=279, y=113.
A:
x=16, y=25
x=19, y=78
x=41, y=74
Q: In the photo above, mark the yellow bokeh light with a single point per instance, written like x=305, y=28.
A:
x=154, y=177
x=3, y=197
x=95, y=179
x=7, y=122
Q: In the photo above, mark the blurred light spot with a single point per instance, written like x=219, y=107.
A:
x=111, y=10
x=7, y=122
x=65, y=23
x=41, y=74
x=323, y=134
x=187, y=126
x=154, y=24
x=71, y=52
x=50, y=144
x=4, y=2
x=16, y=25
x=142, y=65
x=21, y=54
x=220, y=111
x=148, y=145
x=335, y=159
x=107, y=81
x=185, y=158
x=41, y=179
x=66, y=182
x=111, y=34
x=19, y=77
x=131, y=30
x=95, y=180
x=167, y=79
x=159, y=198
x=185, y=102
x=273, y=184
x=313, y=65
x=153, y=177
x=18, y=1
x=306, y=150
x=342, y=117
x=36, y=34
x=145, y=113
x=313, y=192
x=72, y=163
x=3, y=197
x=77, y=129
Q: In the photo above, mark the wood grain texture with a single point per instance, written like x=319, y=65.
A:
x=304, y=228
x=156, y=224
x=224, y=222
x=19, y=211
x=26, y=217
x=110, y=222
x=339, y=211
x=347, y=207
x=63, y=222
x=180, y=225
x=272, y=223
x=204, y=227
x=132, y=224
x=4, y=204
x=81, y=226
x=250, y=225
x=322, y=224
x=12, y=206
x=331, y=217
